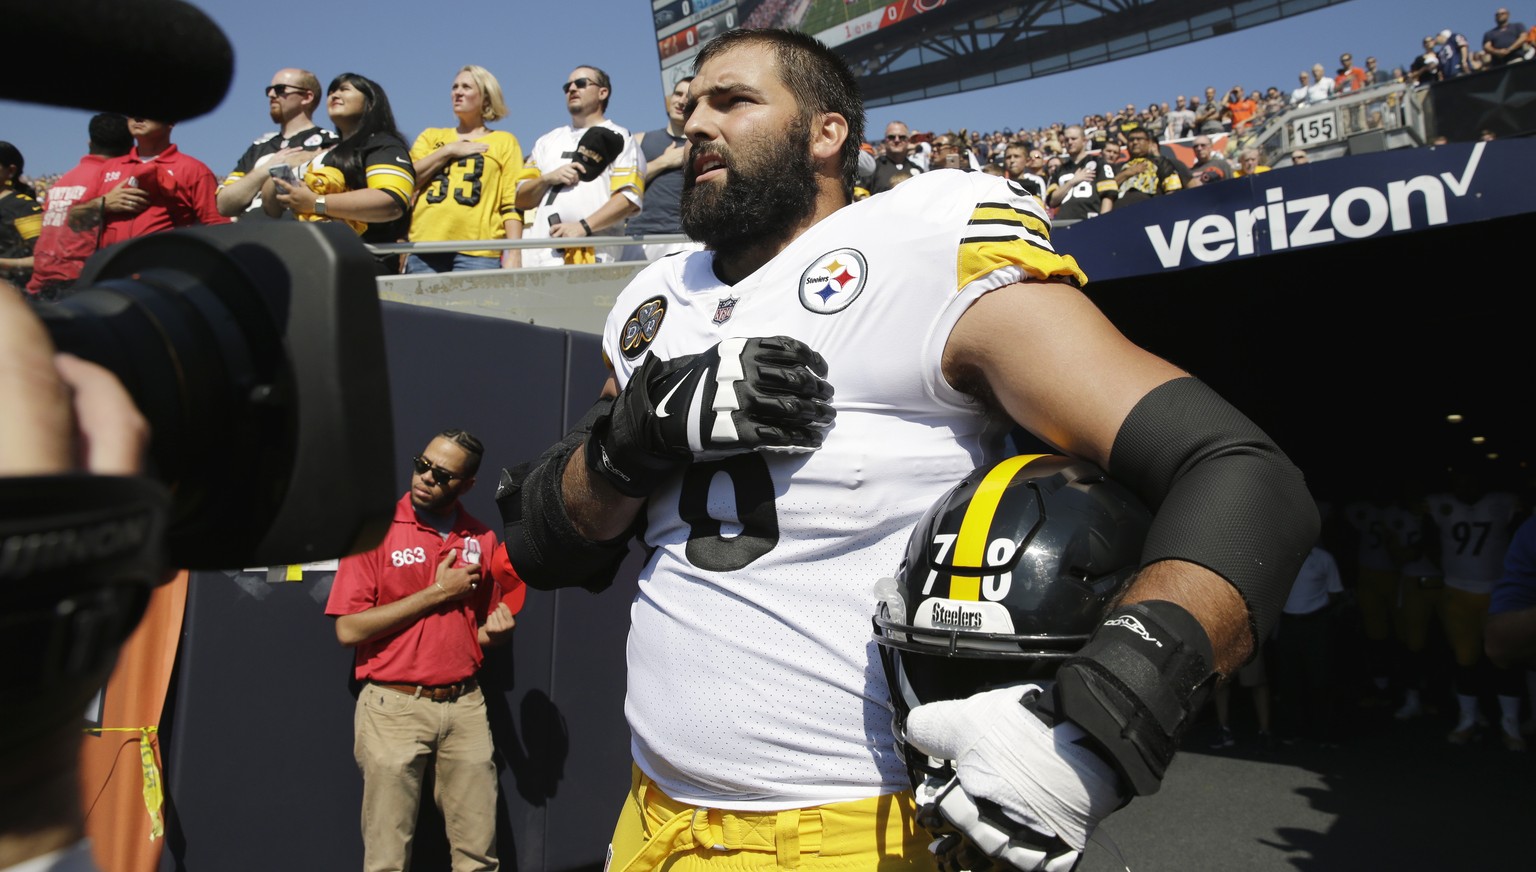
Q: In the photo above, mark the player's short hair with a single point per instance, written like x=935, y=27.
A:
x=602, y=81
x=817, y=76
x=109, y=135
x=472, y=448
x=492, y=104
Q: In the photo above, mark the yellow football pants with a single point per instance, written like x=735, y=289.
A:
x=656, y=832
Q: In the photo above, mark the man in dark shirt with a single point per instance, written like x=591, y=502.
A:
x=1210, y=166
x=665, y=149
x=1506, y=42
x=896, y=158
x=292, y=99
x=1148, y=173
x=1084, y=186
x=1025, y=165
x=1454, y=53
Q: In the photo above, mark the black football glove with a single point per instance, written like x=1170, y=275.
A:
x=767, y=394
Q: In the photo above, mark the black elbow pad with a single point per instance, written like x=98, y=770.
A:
x=1225, y=496
x=543, y=545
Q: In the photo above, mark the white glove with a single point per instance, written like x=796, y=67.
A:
x=1004, y=754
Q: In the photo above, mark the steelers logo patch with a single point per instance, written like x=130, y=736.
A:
x=833, y=281
x=640, y=330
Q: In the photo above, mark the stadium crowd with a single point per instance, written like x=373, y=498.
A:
x=1202, y=137
x=1110, y=159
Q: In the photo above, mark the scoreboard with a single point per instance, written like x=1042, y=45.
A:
x=683, y=27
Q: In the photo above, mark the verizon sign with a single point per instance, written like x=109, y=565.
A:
x=1327, y=203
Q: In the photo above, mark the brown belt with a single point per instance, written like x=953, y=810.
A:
x=434, y=692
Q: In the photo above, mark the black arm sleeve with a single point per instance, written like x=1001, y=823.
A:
x=543, y=545
x=1225, y=496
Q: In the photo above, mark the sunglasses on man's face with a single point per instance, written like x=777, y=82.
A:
x=578, y=84
x=284, y=90
x=439, y=476
x=895, y=137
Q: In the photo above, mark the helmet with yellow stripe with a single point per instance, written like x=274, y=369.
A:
x=1004, y=578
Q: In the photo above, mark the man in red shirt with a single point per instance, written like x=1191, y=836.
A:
x=1349, y=77
x=419, y=610
x=152, y=188
x=62, y=249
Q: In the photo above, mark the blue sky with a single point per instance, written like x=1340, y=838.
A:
x=415, y=48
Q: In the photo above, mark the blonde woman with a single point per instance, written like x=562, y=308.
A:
x=466, y=180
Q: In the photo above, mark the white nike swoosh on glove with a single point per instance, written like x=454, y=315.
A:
x=661, y=407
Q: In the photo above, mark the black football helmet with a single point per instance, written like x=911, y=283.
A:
x=1003, y=579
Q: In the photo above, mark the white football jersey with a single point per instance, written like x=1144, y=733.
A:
x=753, y=677
x=569, y=203
x=1473, y=538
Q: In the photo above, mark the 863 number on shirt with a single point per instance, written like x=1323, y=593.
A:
x=408, y=556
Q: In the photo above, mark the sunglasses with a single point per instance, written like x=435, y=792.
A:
x=895, y=137
x=578, y=84
x=284, y=90
x=440, y=476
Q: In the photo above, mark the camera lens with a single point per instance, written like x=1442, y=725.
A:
x=255, y=352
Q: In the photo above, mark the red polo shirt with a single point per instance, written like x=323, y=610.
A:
x=61, y=252
x=442, y=646
x=182, y=192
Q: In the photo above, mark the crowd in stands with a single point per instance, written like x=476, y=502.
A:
x=471, y=182
x=1219, y=129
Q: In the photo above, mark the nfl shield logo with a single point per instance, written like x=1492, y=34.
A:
x=724, y=310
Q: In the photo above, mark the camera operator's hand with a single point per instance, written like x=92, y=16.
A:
x=62, y=413
x=457, y=582
x=1052, y=792
x=767, y=394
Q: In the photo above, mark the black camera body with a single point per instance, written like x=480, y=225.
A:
x=256, y=352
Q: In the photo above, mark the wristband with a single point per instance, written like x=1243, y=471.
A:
x=585, y=226
x=1135, y=687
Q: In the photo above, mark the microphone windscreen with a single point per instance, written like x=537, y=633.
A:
x=596, y=150
x=164, y=60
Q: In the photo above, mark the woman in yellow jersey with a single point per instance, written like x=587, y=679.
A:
x=466, y=180
x=366, y=181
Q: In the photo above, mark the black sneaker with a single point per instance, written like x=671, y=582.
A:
x=1224, y=739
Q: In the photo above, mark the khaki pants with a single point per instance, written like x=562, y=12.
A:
x=397, y=737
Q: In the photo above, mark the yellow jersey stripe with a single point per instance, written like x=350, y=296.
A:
x=30, y=226
x=630, y=179
x=982, y=255
x=392, y=180
x=971, y=544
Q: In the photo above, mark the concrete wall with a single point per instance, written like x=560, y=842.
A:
x=258, y=735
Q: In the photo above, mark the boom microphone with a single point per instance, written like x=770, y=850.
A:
x=160, y=59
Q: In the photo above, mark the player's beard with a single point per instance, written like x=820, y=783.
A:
x=768, y=190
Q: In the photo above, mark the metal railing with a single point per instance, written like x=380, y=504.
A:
x=1377, y=118
x=506, y=244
